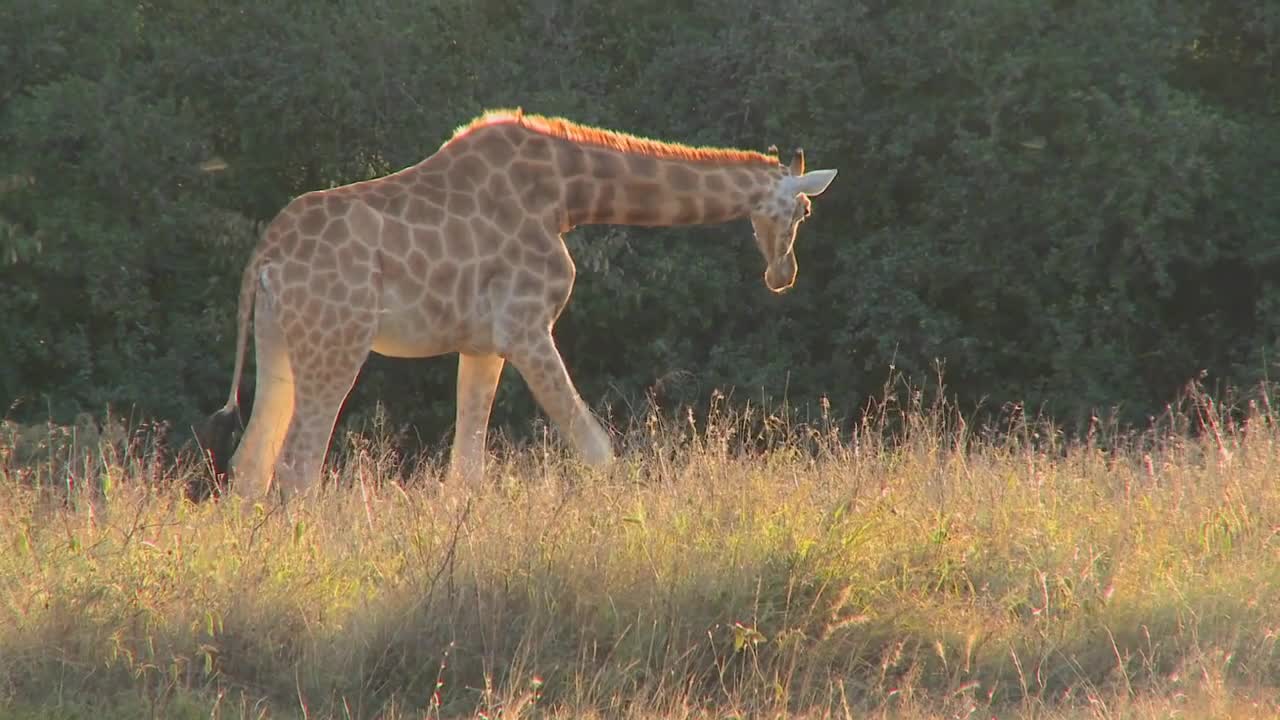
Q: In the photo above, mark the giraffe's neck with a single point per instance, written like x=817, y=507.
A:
x=611, y=187
x=622, y=180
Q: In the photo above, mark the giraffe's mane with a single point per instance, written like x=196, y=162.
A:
x=558, y=127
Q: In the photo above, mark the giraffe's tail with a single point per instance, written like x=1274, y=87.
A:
x=216, y=434
x=244, y=314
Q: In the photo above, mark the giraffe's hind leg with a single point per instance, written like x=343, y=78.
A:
x=326, y=360
x=255, y=458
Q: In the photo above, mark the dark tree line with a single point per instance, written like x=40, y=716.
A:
x=1072, y=204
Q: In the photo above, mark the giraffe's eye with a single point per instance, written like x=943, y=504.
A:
x=802, y=210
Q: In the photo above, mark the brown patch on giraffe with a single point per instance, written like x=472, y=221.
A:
x=577, y=197
x=330, y=316
x=442, y=279
x=499, y=187
x=466, y=285
x=338, y=293
x=642, y=166
x=326, y=263
x=430, y=241
x=508, y=216
x=432, y=309
x=681, y=178
x=362, y=296
x=493, y=265
x=378, y=196
x=456, y=233
x=511, y=252
x=313, y=221
x=391, y=270
x=335, y=201
x=542, y=193
x=461, y=204
x=715, y=182
x=336, y=231
x=319, y=284
x=306, y=247
x=360, y=252
x=605, y=200
x=395, y=237
x=312, y=306
x=690, y=211
x=742, y=179
x=294, y=273
x=536, y=148
x=423, y=212
x=534, y=183
x=384, y=187
x=354, y=272
x=346, y=256
x=534, y=238
x=606, y=166
x=642, y=215
x=527, y=284
x=288, y=242
x=485, y=200
x=525, y=312
x=523, y=173
x=550, y=220
x=640, y=195
x=398, y=205
x=417, y=263
x=294, y=333
x=571, y=160
x=488, y=240
x=558, y=270
x=713, y=210
x=436, y=195
x=468, y=172
x=494, y=148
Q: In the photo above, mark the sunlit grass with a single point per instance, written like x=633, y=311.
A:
x=743, y=566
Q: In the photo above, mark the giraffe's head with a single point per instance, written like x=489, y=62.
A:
x=779, y=213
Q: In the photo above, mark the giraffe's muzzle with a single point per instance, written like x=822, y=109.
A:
x=780, y=275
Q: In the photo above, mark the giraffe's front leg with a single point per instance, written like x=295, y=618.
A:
x=478, y=377
x=541, y=366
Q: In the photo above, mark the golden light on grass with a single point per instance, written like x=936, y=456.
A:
x=738, y=567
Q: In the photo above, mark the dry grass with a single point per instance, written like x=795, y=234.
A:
x=745, y=568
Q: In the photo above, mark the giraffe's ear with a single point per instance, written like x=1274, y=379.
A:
x=811, y=183
x=797, y=163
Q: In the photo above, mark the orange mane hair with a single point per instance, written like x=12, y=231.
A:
x=622, y=142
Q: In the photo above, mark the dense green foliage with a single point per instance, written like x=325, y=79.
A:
x=1071, y=204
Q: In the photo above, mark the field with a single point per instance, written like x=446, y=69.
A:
x=737, y=566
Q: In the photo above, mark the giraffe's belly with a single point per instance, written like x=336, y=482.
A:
x=425, y=326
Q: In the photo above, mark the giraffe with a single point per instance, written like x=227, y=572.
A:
x=463, y=253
